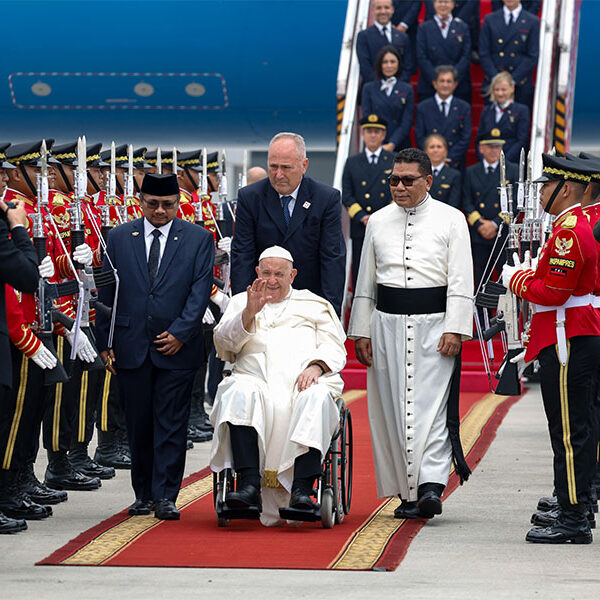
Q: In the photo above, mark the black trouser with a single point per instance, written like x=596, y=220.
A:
x=567, y=392
x=110, y=414
x=357, y=244
x=21, y=410
x=157, y=408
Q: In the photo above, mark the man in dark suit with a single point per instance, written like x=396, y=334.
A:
x=365, y=188
x=446, y=115
x=297, y=213
x=481, y=202
x=165, y=270
x=378, y=35
x=509, y=41
x=18, y=268
x=406, y=20
x=532, y=6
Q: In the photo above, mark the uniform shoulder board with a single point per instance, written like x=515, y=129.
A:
x=445, y=185
x=570, y=222
x=457, y=19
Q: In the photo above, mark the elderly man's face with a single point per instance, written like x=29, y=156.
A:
x=279, y=274
x=286, y=166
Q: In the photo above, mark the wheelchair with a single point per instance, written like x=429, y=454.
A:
x=333, y=491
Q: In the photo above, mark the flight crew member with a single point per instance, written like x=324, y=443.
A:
x=447, y=184
x=447, y=115
x=157, y=344
x=511, y=118
x=381, y=33
x=444, y=40
x=481, y=203
x=364, y=183
x=406, y=20
x=468, y=12
x=509, y=41
x=565, y=338
x=532, y=6
x=297, y=213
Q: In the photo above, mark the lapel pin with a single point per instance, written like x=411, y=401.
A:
x=175, y=238
x=134, y=233
x=306, y=205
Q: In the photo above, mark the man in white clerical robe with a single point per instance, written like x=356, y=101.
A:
x=275, y=415
x=413, y=307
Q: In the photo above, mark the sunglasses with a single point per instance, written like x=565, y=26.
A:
x=394, y=180
x=154, y=204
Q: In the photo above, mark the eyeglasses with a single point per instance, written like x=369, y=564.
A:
x=154, y=204
x=394, y=180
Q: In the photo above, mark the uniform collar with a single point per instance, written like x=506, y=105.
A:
x=565, y=214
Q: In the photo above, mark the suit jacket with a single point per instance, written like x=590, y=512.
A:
x=18, y=268
x=175, y=302
x=447, y=187
x=434, y=50
x=365, y=188
x=397, y=109
x=406, y=11
x=370, y=41
x=314, y=237
x=456, y=127
x=513, y=126
x=481, y=197
x=514, y=49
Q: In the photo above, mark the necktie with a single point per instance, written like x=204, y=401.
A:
x=511, y=19
x=373, y=159
x=444, y=21
x=443, y=108
x=436, y=172
x=285, y=201
x=490, y=170
x=384, y=34
x=154, y=256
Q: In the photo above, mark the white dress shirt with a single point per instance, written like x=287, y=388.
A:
x=487, y=165
x=376, y=154
x=515, y=13
x=439, y=101
x=149, y=238
x=387, y=29
x=500, y=109
x=292, y=203
x=444, y=30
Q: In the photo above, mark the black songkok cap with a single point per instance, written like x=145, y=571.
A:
x=160, y=185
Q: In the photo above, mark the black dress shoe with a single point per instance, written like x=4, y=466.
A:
x=301, y=501
x=569, y=526
x=189, y=445
x=166, y=510
x=545, y=519
x=141, y=507
x=407, y=510
x=246, y=496
x=429, y=505
x=60, y=475
x=36, y=490
x=8, y=525
x=546, y=503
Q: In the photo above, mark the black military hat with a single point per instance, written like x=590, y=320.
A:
x=557, y=168
x=93, y=157
x=4, y=164
x=491, y=137
x=373, y=121
x=29, y=153
x=593, y=162
x=66, y=154
x=166, y=158
x=121, y=158
x=191, y=159
x=139, y=160
x=157, y=184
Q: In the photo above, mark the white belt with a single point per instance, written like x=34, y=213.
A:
x=561, y=336
x=596, y=301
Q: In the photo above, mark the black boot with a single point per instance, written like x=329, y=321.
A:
x=546, y=503
x=109, y=452
x=36, y=490
x=8, y=525
x=430, y=503
x=197, y=435
x=545, y=519
x=198, y=417
x=80, y=461
x=14, y=503
x=571, y=525
x=60, y=475
x=123, y=442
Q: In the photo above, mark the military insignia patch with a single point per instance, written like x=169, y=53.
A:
x=134, y=233
x=563, y=246
x=459, y=38
x=570, y=222
x=445, y=185
x=495, y=132
x=372, y=118
x=524, y=38
x=511, y=119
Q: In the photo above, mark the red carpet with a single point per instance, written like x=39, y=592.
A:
x=369, y=537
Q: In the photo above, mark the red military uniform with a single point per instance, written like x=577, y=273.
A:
x=592, y=212
x=567, y=267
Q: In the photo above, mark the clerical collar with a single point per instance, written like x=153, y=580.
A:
x=294, y=194
x=413, y=209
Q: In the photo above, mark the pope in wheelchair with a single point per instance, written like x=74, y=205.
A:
x=275, y=415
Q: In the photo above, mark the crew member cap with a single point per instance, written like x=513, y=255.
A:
x=373, y=120
x=491, y=137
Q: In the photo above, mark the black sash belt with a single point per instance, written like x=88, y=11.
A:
x=414, y=301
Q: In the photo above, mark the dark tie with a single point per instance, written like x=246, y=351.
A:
x=436, y=172
x=491, y=170
x=443, y=109
x=373, y=159
x=511, y=19
x=154, y=256
x=384, y=34
x=285, y=200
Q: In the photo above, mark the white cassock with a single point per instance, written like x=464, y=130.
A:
x=262, y=393
x=426, y=246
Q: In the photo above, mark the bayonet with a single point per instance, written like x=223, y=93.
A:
x=204, y=179
x=158, y=162
x=129, y=185
x=174, y=160
x=521, y=184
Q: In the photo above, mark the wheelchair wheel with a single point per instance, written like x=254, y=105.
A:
x=327, y=508
x=222, y=483
x=346, y=461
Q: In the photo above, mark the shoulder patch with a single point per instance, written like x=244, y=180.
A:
x=563, y=245
x=570, y=222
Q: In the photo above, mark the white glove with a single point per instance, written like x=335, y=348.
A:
x=526, y=264
x=221, y=300
x=508, y=271
x=43, y=358
x=46, y=268
x=225, y=244
x=519, y=360
x=85, y=351
x=83, y=255
x=535, y=259
x=208, y=318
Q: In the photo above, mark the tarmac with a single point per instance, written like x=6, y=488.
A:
x=476, y=548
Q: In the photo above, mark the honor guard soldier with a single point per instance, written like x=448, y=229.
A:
x=370, y=41
x=365, y=187
x=447, y=184
x=564, y=337
x=447, y=115
x=509, y=41
x=481, y=202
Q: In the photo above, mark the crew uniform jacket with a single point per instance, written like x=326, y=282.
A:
x=313, y=237
x=397, y=110
x=175, y=302
x=447, y=187
x=567, y=267
x=513, y=128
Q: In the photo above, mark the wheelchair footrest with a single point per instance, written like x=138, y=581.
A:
x=247, y=512
x=297, y=514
